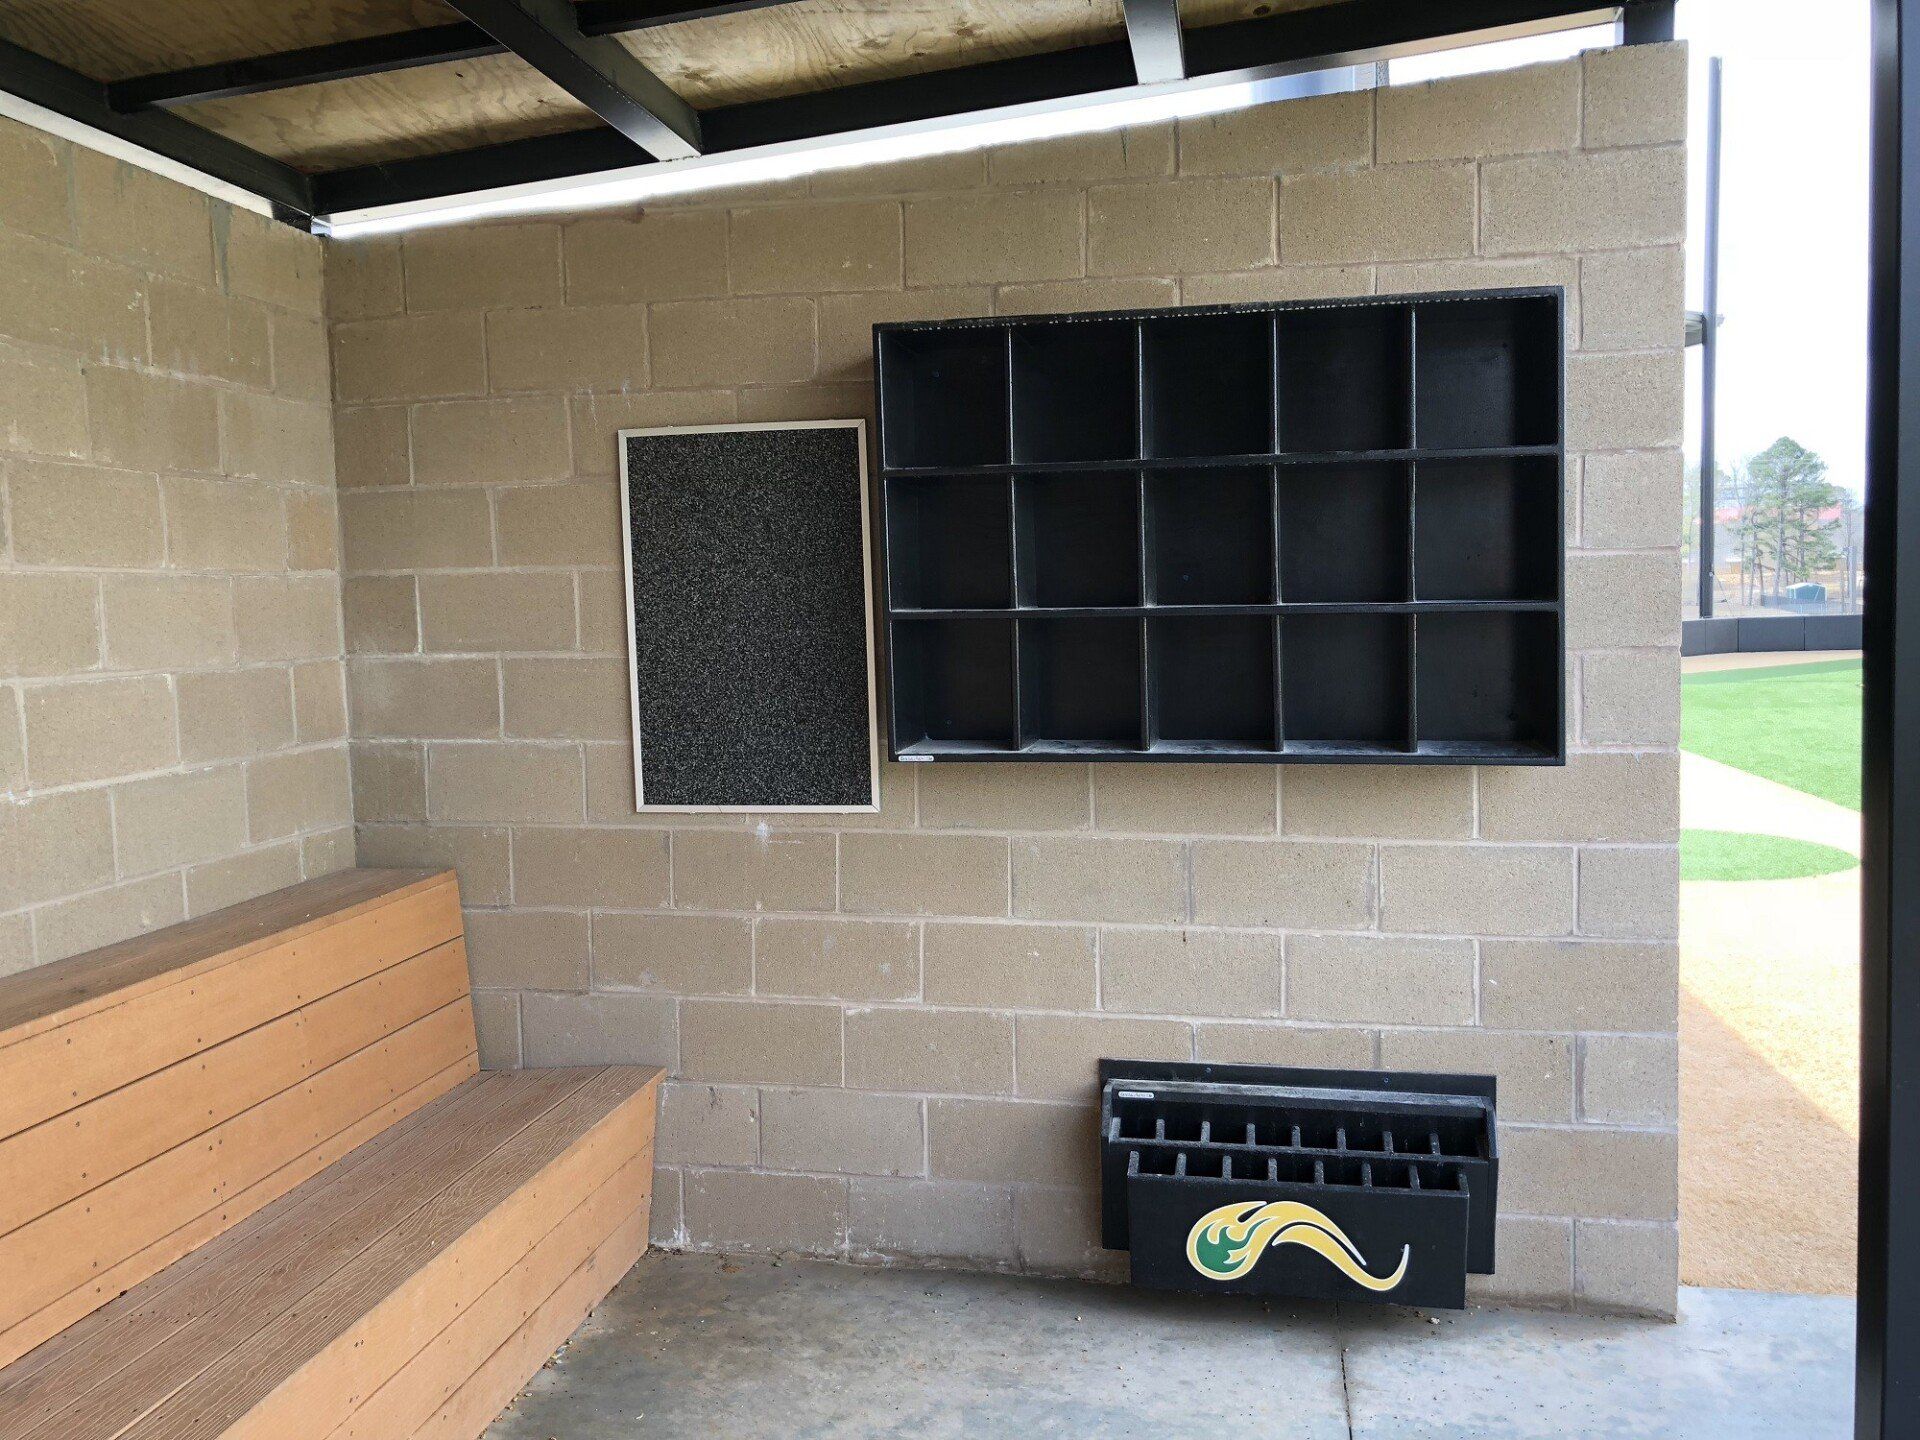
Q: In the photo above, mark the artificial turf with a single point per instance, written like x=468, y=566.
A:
x=1726, y=855
x=1795, y=724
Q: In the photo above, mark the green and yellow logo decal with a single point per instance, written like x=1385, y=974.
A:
x=1226, y=1243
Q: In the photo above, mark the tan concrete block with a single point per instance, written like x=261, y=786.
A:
x=201, y=332
x=995, y=237
x=709, y=1125
x=1633, y=299
x=958, y=170
x=838, y=959
x=1625, y=402
x=1284, y=137
x=1578, y=985
x=34, y=184
x=98, y=729
x=269, y=261
x=1482, y=273
x=371, y=446
x=1634, y=1268
x=1536, y=1263
x=173, y=820
x=136, y=217
x=923, y=874
x=601, y=599
x=484, y=613
x=152, y=422
x=220, y=525
x=1388, y=804
x=1631, y=501
x=915, y=1219
x=1636, y=95
x=1535, y=1071
x=1605, y=200
x=1596, y=1174
x=313, y=530
x=496, y=1024
x=1380, y=980
x=784, y=404
x=380, y=614
x=295, y=617
x=477, y=855
x=498, y=783
x=842, y=1132
x=416, y=357
x=1004, y=797
x=16, y=944
x=393, y=530
x=570, y=699
x=847, y=321
x=760, y=1042
x=1077, y=160
x=482, y=267
x=1100, y=878
x=1477, y=889
x=324, y=852
x=50, y=624
x=1058, y=1233
x=491, y=442
x=597, y=421
x=568, y=1029
x=1632, y=893
x=529, y=949
x=680, y=954
x=666, y=1220
x=1292, y=883
x=54, y=845
x=302, y=357
x=1278, y=282
x=559, y=525
x=320, y=702
x=602, y=348
x=590, y=868
x=720, y=343
x=1504, y=112
x=802, y=249
x=43, y=404
x=231, y=714
x=1113, y=292
x=1182, y=799
x=72, y=927
x=1017, y=1142
x=964, y=1052
x=1058, y=1055
x=13, y=745
x=49, y=295
x=1630, y=1080
x=364, y=278
x=1189, y=972
x=1398, y=212
x=301, y=790
x=1180, y=227
x=166, y=622
x=220, y=883
x=1607, y=796
x=653, y=255
x=1314, y=1046
x=753, y=870
x=389, y=782
x=742, y=1210
x=1033, y=967
x=1619, y=600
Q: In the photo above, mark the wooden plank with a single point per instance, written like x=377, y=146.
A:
x=124, y=1371
x=293, y=1376
x=62, y=1250
x=155, y=1025
x=48, y=1165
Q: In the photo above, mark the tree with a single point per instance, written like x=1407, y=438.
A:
x=1785, y=520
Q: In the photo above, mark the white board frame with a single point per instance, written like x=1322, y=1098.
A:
x=872, y=807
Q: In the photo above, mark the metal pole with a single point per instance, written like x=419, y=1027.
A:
x=1710, y=339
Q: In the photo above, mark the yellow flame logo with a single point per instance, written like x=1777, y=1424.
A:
x=1226, y=1243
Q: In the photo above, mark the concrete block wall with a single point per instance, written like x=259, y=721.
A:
x=882, y=1029
x=172, y=693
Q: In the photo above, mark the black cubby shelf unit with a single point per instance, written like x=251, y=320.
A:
x=1310, y=532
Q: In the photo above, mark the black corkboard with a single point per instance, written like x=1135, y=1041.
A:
x=749, y=621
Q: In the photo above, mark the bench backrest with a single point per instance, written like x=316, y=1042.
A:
x=157, y=1092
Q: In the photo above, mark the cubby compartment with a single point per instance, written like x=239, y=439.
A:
x=1210, y=536
x=1487, y=529
x=1487, y=372
x=1345, y=378
x=1344, y=682
x=1080, y=685
x=949, y=542
x=1208, y=384
x=953, y=686
x=1076, y=392
x=1344, y=533
x=1489, y=684
x=1077, y=538
x=1211, y=684
x=944, y=396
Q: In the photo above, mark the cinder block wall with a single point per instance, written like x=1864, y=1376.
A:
x=883, y=1029
x=172, y=703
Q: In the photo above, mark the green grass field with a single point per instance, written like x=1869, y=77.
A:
x=1795, y=724
x=1725, y=855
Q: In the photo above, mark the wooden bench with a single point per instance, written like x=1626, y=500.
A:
x=252, y=1183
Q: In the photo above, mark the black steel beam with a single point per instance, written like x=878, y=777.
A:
x=1646, y=22
x=67, y=92
x=1153, y=31
x=380, y=54
x=1338, y=34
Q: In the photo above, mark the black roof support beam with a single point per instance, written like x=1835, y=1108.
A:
x=1153, y=31
x=1647, y=22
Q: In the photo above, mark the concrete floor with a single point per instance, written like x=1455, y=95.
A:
x=693, y=1345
